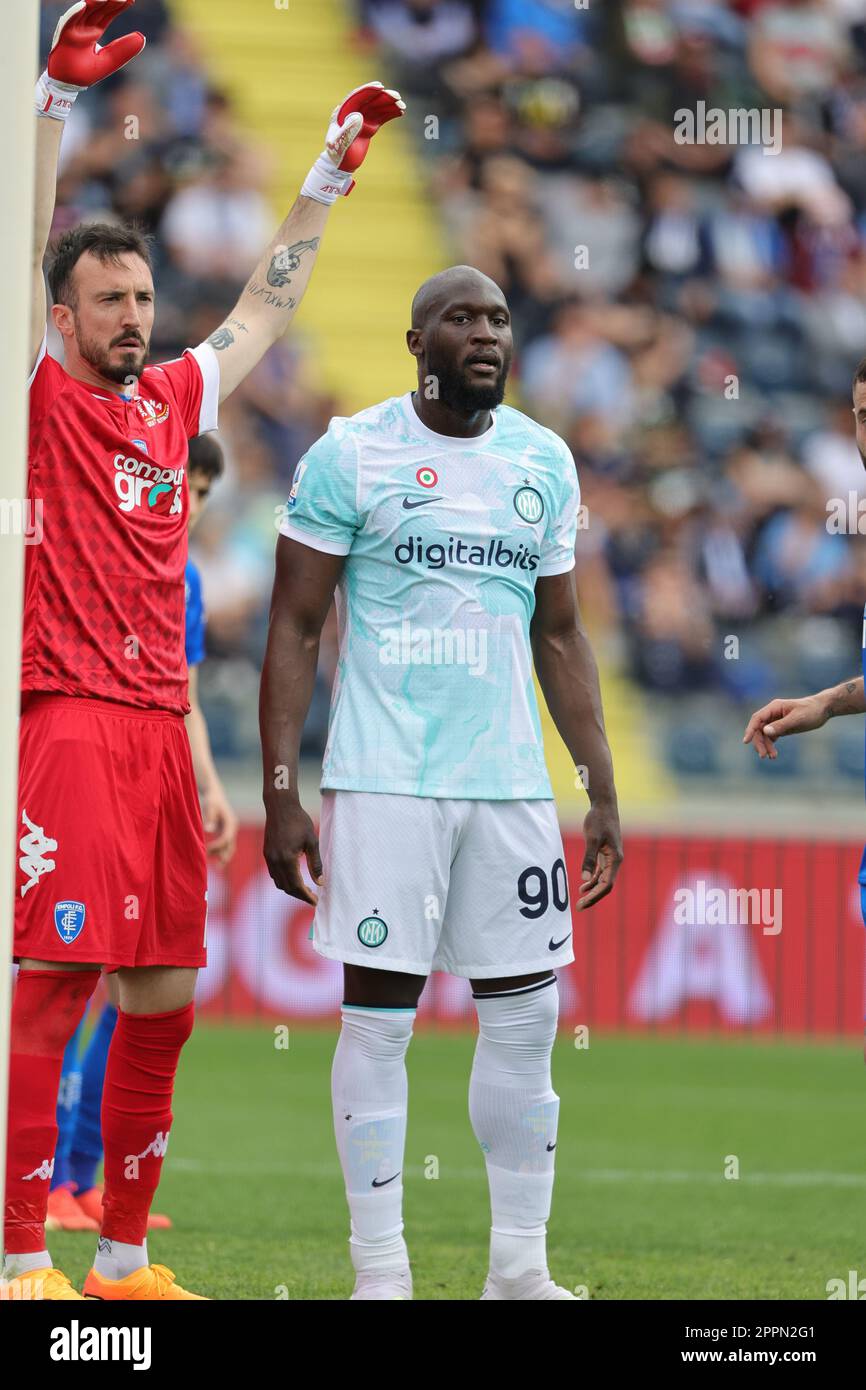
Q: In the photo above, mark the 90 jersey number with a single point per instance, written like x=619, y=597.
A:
x=537, y=894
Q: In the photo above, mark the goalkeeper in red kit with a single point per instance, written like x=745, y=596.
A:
x=111, y=855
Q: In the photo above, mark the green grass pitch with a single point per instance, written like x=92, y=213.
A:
x=641, y=1210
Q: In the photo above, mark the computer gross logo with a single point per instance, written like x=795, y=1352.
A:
x=140, y=483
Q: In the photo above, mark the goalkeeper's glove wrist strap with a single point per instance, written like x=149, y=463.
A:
x=325, y=182
x=54, y=99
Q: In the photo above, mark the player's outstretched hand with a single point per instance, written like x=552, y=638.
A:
x=602, y=856
x=353, y=124
x=781, y=717
x=76, y=58
x=289, y=833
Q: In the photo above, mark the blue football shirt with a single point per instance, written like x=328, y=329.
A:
x=194, y=636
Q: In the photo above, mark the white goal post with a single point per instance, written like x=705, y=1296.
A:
x=20, y=41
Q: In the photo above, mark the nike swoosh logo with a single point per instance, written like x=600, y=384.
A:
x=555, y=945
x=422, y=502
x=551, y=1147
x=376, y=1183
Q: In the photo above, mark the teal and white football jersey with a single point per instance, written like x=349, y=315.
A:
x=444, y=539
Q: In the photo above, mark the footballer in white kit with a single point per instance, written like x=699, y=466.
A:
x=444, y=523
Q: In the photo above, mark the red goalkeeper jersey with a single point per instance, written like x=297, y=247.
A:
x=104, y=574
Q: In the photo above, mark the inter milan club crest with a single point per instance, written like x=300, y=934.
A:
x=529, y=504
x=372, y=930
x=69, y=920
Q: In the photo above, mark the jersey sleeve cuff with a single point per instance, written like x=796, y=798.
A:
x=210, y=386
x=555, y=567
x=40, y=356
x=297, y=533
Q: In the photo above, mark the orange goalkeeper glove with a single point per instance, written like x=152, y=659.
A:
x=77, y=60
x=353, y=125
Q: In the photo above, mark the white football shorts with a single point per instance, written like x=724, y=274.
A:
x=475, y=888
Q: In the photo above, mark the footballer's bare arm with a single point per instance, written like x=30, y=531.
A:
x=77, y=60
x=48, y=136
x=303, y=589
x=568, y=676
x=272, y=294
x=781, y=717
x=276, y=287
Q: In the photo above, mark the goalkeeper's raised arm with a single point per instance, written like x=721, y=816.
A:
x=276, y=287
x=272, y=295
x=75, y=61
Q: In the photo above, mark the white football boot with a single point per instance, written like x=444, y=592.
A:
x=534, y=1284
x=383, y=1284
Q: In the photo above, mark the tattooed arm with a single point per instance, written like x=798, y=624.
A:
x=272, y=295
x=267, y=305
x=801, y=716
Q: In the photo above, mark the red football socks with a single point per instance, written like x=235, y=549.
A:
x=136, y=1115
x=47, y=1007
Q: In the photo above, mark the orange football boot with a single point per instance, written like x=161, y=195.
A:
x=151, y=1284
x=90, y=1203
x=65, y=1214
x=38, y=1284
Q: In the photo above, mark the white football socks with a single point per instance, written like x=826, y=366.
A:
x=115, y=1259
x=13, y=1265
x=370, y=1089
x=514, y=1112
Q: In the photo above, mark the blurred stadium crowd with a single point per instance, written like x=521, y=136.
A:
x=688, y=316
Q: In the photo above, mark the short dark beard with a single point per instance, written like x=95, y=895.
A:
x=97, y=358
x=462, y=396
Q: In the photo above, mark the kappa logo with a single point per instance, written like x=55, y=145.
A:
x=34, y=848
x=152, y=412
x=45, y=1171
x=69, y=920
x=158, y=1145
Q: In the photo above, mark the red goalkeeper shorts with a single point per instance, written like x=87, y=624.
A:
x=111, y=865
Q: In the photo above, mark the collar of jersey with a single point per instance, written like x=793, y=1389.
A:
x=447, y=441
x=113, y=398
